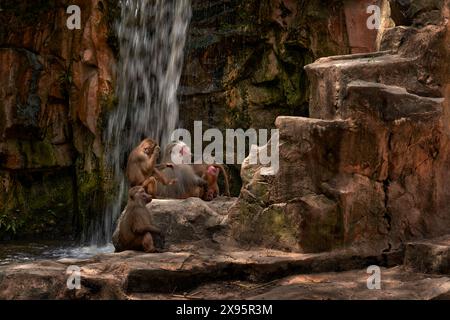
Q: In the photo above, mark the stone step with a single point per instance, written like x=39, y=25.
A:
x=329, y=78
x=387, y=102
x=429, y=256
x=403, y=67
x=396, y=283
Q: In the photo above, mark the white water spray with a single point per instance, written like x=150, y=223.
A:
x=152, y=35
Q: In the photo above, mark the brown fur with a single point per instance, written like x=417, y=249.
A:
x=188, y=183
x=141, y=167
x=203, y=171
x=135, y=229
x=211, y=176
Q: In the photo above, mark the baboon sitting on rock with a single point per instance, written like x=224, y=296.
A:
x=135, y=230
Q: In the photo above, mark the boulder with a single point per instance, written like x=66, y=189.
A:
x=187, y=223
x=429, y=256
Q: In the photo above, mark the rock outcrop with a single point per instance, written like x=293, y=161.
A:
x=187, y=224
x=244, y=59
x=243, y=67
x=121, y=275
x=202, y=263
x=370, y=168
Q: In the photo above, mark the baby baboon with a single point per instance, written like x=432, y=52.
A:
x=141, y=167
x=135, y=229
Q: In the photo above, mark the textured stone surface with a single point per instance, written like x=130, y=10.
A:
x=429, y=256
x=244, y=59
x=369, y=168
x=56, y=85
x=188, y=223
x=396, y=284
x=116, y=276
x=417, y=13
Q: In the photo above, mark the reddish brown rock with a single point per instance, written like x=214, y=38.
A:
x=370, y=171
x=55, y=85
x=361, y=38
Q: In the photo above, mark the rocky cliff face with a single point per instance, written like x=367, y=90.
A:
x=244, y=59
x=370, y=168
x=243, y=67
x=56, y=85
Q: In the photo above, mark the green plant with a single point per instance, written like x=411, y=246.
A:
x=9, y=223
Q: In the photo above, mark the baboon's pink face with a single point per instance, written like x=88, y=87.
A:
x=181, y=154
x=213, y=171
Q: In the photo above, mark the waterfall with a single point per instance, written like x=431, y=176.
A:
x=152, y=35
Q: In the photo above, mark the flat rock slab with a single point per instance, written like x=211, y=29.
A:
x=429, y=256
x=115, y=276
x=396, y=283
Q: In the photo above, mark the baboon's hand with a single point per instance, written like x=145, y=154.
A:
x=173, y=181
x=157, y=150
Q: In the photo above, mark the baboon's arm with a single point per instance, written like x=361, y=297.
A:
x=140, y=225
x=151, y=163
x=164, y=165
x=161, y=178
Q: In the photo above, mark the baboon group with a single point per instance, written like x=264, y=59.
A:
x=172, y=178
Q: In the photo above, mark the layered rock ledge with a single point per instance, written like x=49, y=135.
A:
x=370, y=167
x=202, y=261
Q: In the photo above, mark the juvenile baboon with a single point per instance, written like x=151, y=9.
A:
x=135, y=229
x=210, y=172
x=141, y=167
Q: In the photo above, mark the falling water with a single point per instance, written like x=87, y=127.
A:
x=152, y=36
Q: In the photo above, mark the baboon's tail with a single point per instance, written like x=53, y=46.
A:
x=225, y=177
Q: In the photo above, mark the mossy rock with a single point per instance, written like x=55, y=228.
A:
x=270, y=227
x=37, y=205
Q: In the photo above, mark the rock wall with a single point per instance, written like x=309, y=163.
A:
x=243, y=68
x=370, y=168
x=244, y=59
x=56, y=85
